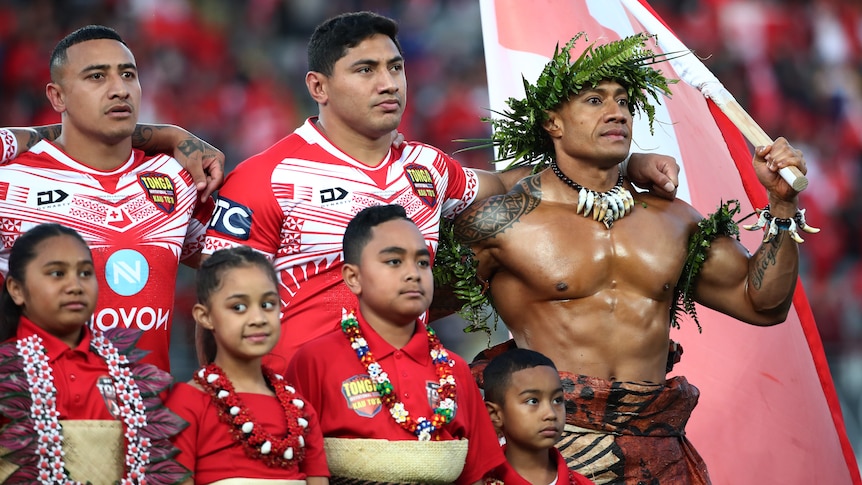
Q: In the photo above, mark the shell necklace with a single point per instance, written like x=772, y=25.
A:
x=423, y=428
x=43, y=410
x=274, y=451
x=607, y=207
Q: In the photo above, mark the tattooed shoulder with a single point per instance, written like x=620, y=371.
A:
x=494, y=215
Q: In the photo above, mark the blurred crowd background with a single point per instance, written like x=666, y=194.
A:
x=233, y=71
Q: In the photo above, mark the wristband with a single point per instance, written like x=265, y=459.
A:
x=8, y=144
x=780, y=224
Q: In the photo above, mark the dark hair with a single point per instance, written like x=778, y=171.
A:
x=90, y=32
x=498, y=373
x=22, y=253
x=332, y=38
x=209, y=279
x=358, y=231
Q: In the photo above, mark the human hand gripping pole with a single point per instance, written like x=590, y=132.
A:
x=695, y=73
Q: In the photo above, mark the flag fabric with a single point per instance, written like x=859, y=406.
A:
x=768, y=411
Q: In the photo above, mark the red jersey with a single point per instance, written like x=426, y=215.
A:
x=294, y=200
x=139, y=220
x=505, y=474
x=329, y=374
x=209, y=450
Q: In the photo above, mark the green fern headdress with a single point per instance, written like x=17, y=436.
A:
x=518, y=134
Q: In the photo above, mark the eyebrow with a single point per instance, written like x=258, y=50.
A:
x=246, y=295
x=615, y=91
x=400, y=250
x=105, y=67
x=373, y=62
x=538, y=391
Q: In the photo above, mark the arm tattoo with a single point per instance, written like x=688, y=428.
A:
x=499, y=213
x=765, y=257
x=49, y=132
x=189, y=146
x=143, y=136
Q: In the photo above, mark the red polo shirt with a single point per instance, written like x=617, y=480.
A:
x=76, y=373
x=507, y=475
x=328, y=373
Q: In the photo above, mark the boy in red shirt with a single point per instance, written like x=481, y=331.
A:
x=524, y=396
x=394, y=405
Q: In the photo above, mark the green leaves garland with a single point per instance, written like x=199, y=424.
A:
x=455, y=267
x=518, y=133
x=719, y=223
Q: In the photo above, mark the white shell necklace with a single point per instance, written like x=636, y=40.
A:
x=607, y=207
x=43, y=411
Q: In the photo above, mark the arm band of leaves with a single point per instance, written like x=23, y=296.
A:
x=720, y=223
x=455, y=266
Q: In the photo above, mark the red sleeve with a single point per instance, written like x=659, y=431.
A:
x=484, y=452
x=314, y=463
x=247, y=212
x=185, y=401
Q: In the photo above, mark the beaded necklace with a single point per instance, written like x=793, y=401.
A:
x=43, y=411
x=283, y=452
x=607, y=206
x=424, y=429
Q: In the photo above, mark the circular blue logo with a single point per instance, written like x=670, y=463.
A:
x=127, y=272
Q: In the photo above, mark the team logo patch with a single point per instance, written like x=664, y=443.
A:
x=422, y=182
x=160, y=190
x=361, y=396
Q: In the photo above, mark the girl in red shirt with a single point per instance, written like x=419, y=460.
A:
x=74, y=403
x=245, y=421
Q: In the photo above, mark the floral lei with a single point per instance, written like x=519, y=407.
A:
x=34, y=436
x=423, y=428
x=257, y=443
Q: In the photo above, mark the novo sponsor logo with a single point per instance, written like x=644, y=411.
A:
x=141, y=318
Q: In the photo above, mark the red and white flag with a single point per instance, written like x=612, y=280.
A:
x=768, y=411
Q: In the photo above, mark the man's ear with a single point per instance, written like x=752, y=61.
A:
x=350, y=275
x=552, y=124
x=496, y=415
x=316, y=83
x=201, y=315
x=54, y=92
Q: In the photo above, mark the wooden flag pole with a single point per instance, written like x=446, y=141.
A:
x=755, y=134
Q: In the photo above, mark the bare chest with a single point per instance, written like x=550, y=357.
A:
x=558, y=254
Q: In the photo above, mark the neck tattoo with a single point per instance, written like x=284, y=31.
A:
x=607, y=206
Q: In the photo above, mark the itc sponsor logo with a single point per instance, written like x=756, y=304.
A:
x=127, y=272
x=232, y=219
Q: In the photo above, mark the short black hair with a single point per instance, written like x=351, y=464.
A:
x=358, y=231
x=89, y=32
x=333, y=37
x=498, y=373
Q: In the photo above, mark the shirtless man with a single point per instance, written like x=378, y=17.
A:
x=594, y=295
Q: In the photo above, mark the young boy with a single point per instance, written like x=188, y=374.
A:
x=394, y=405
x=524, y=396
